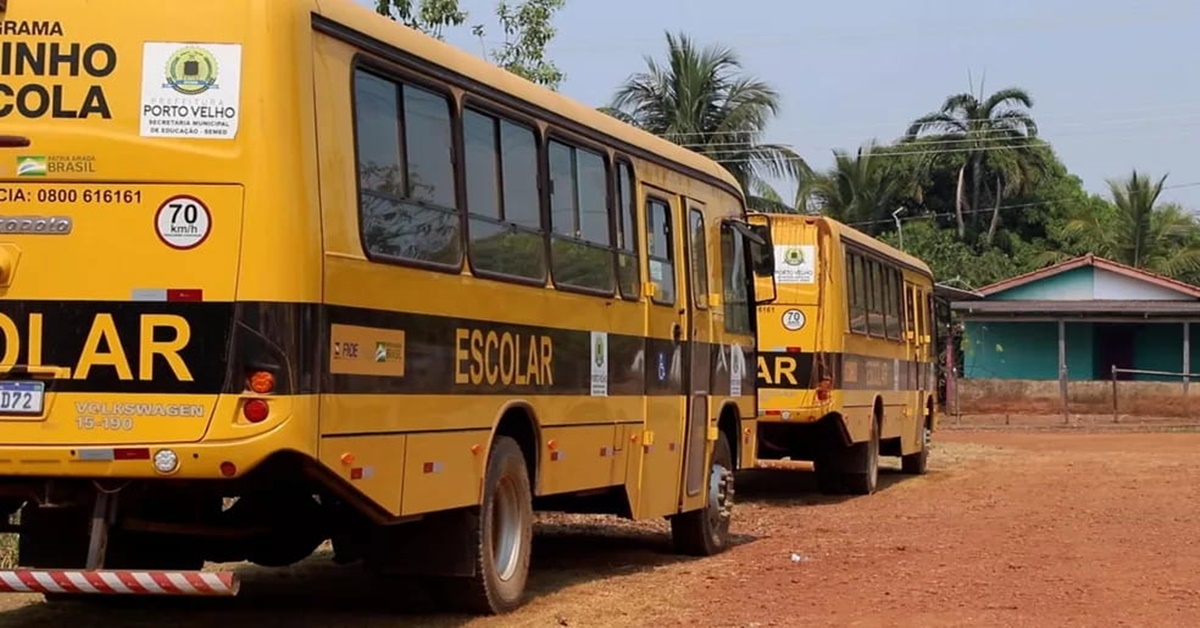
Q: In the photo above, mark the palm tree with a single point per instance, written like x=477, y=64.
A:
x=992, y=134
x=1134, y=230
x=700, y=99
x=857, y=189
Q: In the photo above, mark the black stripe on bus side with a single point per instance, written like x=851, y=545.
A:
x=446, y=355
x=56, y=333
x=227, y=339
x=847, y=371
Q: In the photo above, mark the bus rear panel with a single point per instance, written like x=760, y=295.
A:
x=149, y=285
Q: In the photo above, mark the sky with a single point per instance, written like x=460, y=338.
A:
x=1112, y=81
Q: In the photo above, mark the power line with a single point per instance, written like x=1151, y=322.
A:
x=942, y=146
x=979, y=210
x=802, y=36
x=1194, y=111
x=735, y=156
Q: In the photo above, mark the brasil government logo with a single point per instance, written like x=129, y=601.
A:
x=192, y=71
x=32, y=166
x=793, y=257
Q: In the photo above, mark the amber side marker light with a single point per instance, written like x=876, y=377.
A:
x=261, y=382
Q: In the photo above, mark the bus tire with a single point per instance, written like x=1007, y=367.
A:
x=503, y=537
x=705, y=532
x=864, y=460
x=918, y=463
x=828, y=475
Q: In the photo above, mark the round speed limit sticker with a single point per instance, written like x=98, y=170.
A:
x=183, y=222
x=793, y=320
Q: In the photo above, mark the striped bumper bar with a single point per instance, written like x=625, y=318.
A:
x=220, y=584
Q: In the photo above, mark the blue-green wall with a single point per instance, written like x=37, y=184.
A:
x=1014, y=350
x=1025, y=350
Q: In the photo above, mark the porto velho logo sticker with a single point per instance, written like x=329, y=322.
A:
x=192, y=71
x=793, y=257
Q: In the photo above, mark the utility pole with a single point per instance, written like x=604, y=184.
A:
x=899, y=228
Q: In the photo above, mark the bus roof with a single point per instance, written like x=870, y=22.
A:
x=359, y=18
x=858, y=237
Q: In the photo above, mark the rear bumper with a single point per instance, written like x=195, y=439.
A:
x=793, y=415
x=222, y=460
x=104, y=582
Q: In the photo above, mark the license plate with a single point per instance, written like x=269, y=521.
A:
x=24, y=398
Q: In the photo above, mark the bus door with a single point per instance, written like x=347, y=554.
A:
x=697, y=355
x=912, y=344
x=919, y=348
x=667, y=333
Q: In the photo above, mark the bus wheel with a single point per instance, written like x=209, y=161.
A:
x=503, y=537
x=705, y=532
x=829, y=478
x=918, y=463
x=864, y=460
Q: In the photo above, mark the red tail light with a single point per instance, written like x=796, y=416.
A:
x=256, y=410
x=825, y=389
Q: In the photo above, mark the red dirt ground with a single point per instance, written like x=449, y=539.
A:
x=1010, y=528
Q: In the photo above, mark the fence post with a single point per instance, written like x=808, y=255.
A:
x=1062, y=371
x=1187, y=366
x=1114, y=382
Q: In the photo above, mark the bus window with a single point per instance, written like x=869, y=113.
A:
x=698, y=259
x=406, y=174
x=893, y=308
x=858, y=295
x=627, y=261
x=581, y=256
x=502, y=200
x=734, y=278
x=878, y=306
x=660, y=251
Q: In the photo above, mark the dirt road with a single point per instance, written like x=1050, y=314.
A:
x=1010, y=528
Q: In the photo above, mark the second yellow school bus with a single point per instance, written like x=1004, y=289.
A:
x=846, y=354
x=283, y=271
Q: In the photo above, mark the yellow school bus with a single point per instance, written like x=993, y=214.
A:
x=846, y=355
x=284, y=271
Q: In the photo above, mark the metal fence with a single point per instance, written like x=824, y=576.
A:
x=1143, y=397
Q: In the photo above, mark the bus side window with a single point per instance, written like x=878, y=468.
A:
x=627, y=253
x=893, y=303
x=581, y=255
x=877, y=287
x=407, y=204
x=660, y=250
x=502, y=198
x=910, y=323
x=858, y=295
x=698, y=259
x=736, y=278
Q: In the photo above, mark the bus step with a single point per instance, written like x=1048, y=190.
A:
x=120, y=582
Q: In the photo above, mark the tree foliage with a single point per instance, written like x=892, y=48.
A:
x=701, y=98
x=528, y=28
